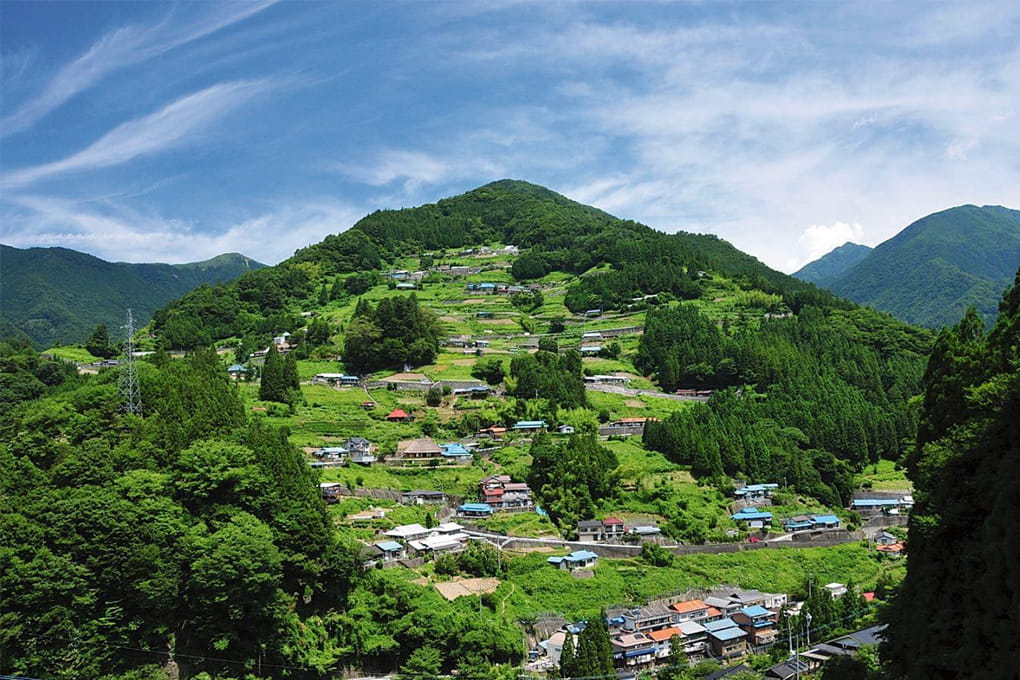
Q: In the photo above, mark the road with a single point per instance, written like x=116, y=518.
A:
x=632, y=392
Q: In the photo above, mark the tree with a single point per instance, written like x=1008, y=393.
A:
x=676, y=663
x=595, y=649
x=548, y=344
x=568, y=658
x=557, y=324
x=98, y=343
x=490, y=370
x=424, y=663
x=278, y=376
x=434, y=397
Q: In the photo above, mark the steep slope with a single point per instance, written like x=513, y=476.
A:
x=934, y=269
x=832, y=265
x=57, y=295
x=554, y=234
x=962, y=535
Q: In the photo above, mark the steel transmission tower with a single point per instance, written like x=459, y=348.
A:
x=128, y=381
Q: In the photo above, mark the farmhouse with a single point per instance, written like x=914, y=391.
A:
x=416, y=449
x=579, y=559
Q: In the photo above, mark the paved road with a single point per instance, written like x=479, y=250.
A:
x=632, y=392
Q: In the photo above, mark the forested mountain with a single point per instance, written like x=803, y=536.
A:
x=552, y=232
x=964, y=542
x=195, y=540
x=832, y=265
x=932, y=271
x=57, y=295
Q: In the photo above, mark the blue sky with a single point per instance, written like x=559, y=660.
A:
x=174, y=132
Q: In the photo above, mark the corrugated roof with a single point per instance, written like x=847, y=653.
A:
x=727, y=634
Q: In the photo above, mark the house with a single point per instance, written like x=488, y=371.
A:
x=755, y=492
x=591, y=335
x=493, y=432
x=579, y=559
x=606, y=379
x=440, y=543
x=644, y=530
x=418, y=449
x=400, y=416
x=738, y=599
x=360, y=450
x=892, y=549
x=554, y=645
x=502, y=494
x=459, y=341
x=825, y=522
x=695, y=638
x=759, y=624
x=726, y=640
x=330, y=453
x=454, y=451
x=407, y=532
x=811, y=522
x=481, y=510
x=406, y=286
x=753, y=518
x=885, y=538
x=589, y=531
x=837, y=590
x=368, y=405
x=237, y=371
x=693, y=610
x=529, y=426
x=663, y=639
x=633, y=649
x=590, y=350
x=423, y=497
x=877, y=506
x=651, y=617
x=391, y=551
x=565, y=429
x=332, y=492
x=613, y=528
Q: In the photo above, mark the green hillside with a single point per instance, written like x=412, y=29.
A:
x=213, y=538
x=830, y=266
x=932, y=271
x=57, y=295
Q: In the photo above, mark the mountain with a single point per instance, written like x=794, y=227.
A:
x=932, y=271
x=830, y=266
x=58, y=295
x=614, y=260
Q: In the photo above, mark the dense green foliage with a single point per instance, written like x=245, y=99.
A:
x=556, y=378
x=933, y=270
x=568, y=478
x=279, y=380
x=830, y=394
x=57, y=296
x=24, y=375
x=964, y=538
x=395, y=332
x=832, y=265
x=552, y=232
x=193, y=533
x=593, y=657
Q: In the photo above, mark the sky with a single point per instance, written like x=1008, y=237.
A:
x=173, y=132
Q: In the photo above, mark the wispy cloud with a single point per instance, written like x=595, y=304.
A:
x=120, y=48
x=109, y=230
x=173, y=125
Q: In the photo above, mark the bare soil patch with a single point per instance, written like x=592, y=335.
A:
x=635, y=403
x=451, y=590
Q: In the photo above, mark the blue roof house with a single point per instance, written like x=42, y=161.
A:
x=579, y=559
x=455, y=451
x=754, y=518
x=529, y=425
x=475, y=510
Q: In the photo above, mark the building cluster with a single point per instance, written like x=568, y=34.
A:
x=415, y=540
x=613, y=530
x=724, y=625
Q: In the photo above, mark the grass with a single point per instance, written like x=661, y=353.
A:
x=72, y=353
x=883, y=476
x=542, y=589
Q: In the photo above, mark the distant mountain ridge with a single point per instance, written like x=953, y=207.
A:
x=937, y=267
x=830, y=266
x=59, y=295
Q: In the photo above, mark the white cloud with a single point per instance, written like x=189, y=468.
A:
x=118, y=49
x=115, y=232
x=819, y=239
x=174, y=125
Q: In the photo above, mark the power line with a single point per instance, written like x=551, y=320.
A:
x=128, y=380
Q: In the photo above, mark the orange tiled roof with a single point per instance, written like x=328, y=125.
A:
x=688, y=606
x=664, y=634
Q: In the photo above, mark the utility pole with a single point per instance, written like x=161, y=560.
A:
x=128, y=379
